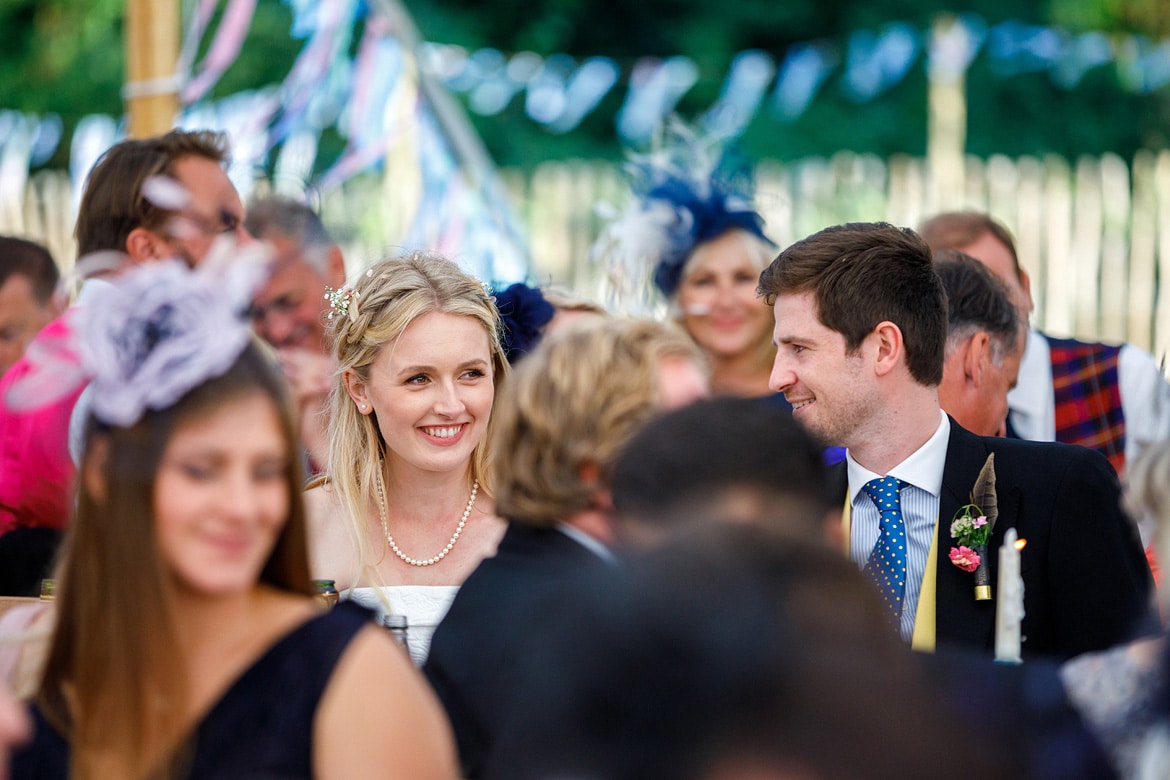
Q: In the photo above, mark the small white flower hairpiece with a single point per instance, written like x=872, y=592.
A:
x=342, y=301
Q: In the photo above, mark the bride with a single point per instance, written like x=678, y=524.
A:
x=404, y=513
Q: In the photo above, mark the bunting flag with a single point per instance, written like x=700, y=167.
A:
x=867, y=64
x=229, y=39
x=386, y=97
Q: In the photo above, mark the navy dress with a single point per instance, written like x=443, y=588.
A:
x=262, y=727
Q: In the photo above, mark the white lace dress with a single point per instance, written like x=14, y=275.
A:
x=424, y=607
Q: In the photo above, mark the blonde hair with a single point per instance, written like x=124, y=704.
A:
x=385, y=300
x=563, y=299
x=1147, y=497
x=759, y=251
x=574, y=402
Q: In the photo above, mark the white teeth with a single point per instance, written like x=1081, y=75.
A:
x=443, y=433
x=800, y=404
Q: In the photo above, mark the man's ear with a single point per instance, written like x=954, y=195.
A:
x=93, y=470
x=335, y=268
x=890, y=347
x=602, y=497
x=977, y=358
x=144, y=245
x=357, y=390
x=1026, y=285
x=58, y=302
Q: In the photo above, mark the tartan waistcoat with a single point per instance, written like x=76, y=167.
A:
x=1088, y=397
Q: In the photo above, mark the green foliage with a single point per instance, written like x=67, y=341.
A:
x=66, y=56
x=61, y=56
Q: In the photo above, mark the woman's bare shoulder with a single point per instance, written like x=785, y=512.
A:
x=400, y=723
x=322, y=501
x=331, y=540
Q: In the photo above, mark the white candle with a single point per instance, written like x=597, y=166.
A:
x=1010, y=607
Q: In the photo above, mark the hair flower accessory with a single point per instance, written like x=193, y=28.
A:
x=342, y=301
x=691, y=190
x=971, y=528
x=523, y=313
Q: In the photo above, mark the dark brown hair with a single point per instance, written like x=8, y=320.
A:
x=861, y=274
x=113, y=205
x=19, y=257
x=115, y=648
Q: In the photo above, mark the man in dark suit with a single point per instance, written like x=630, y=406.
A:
x=571, y=405
x=861, y=321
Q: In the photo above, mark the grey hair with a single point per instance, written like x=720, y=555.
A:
x=283, y=217
x=977, y=301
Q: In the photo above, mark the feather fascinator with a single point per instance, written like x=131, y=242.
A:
x=144, y=340
x=690, y=190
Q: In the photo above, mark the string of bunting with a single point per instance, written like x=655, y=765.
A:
x=372, y=98
x=329, y=87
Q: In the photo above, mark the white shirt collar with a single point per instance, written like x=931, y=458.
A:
x=1031, y=393
x=587, y=541
x=923, y=469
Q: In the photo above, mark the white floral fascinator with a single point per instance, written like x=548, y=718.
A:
x=153, y=334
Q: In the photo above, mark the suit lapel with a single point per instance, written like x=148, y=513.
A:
x=960, y=619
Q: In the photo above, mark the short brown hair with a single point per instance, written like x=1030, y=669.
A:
x=575, y=401
x=861, y=274
x=113, y=205
x=957, y=229
x=19, y=257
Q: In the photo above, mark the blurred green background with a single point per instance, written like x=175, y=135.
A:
x=66, y=57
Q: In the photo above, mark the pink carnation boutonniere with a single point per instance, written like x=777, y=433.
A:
x=965, y=558
x=971, y=529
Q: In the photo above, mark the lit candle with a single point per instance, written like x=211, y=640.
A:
x=1010, y=607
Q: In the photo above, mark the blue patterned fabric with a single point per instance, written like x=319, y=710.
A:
x=886, y=566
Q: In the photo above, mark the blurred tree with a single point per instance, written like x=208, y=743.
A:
x=65, y=56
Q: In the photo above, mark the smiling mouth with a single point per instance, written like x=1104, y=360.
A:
x=444, y=431
x=800, y=404
x=233, y=546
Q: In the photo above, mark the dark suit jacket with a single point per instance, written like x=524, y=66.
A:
x=477, y=652
x=1087, y=585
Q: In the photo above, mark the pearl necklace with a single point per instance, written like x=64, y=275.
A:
x=450, y=544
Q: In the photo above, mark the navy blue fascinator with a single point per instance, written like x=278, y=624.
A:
x=690, y=191
x=523, y=312
x=702, y=217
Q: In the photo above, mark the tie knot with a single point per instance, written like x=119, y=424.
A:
x=883, y=491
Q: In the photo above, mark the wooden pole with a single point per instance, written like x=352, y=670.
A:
x=151, y=91
x=947, y=124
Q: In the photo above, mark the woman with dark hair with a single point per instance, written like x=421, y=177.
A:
x=187, y=640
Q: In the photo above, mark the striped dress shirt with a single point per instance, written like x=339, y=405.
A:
x=923, y=472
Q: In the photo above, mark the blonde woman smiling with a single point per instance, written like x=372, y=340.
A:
x=405, y=512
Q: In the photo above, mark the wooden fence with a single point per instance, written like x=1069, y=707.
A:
x=1094, y=234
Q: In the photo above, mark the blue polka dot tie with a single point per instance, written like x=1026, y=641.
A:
x=886, y=566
